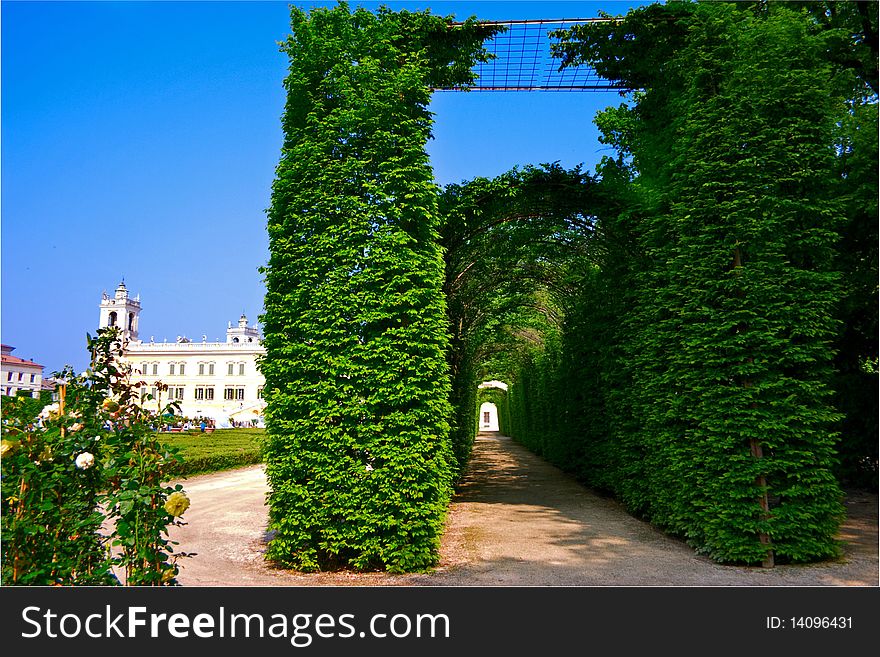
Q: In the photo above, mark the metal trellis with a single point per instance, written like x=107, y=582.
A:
x=523, y=61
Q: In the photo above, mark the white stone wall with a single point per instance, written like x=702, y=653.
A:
x=245, y=382
x=488, y=417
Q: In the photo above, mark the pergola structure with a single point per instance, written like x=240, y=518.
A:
x=523, y=60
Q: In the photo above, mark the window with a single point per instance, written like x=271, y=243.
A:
x=8, y=391
x=230, y=369
x=231, y=393
x=9, y=377
x=171, y=368
x=21, y=376
x=175, y=392
x=260, y=392
x=485, y=417
x=182, y=368
x=241, y=369
x=210, y=369
x=155, y=369
x=33, y=378
x=201, y=372
x=204, y=394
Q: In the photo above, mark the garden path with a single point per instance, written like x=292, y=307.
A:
x=516, y=521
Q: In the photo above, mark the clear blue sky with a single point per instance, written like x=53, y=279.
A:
x=139, y=140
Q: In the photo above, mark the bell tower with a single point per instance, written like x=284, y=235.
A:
x=243, y=332
x=122, y=311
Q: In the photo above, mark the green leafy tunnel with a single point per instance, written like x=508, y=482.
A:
x=677, y=329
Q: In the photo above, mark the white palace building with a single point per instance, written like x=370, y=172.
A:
x=216, y=380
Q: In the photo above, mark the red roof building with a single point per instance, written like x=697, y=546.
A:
x=19, y=374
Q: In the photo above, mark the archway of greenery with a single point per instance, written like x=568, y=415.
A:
x=680, y=309
x=514, y=248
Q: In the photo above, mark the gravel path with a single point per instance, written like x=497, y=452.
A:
x=516, y=521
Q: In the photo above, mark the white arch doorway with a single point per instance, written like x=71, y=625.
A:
x=488, y=417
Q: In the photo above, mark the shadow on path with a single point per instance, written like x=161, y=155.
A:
x=516, y=521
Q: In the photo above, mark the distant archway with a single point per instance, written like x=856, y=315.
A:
x=488, y=417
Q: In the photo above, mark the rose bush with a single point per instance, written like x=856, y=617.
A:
x=83, y=499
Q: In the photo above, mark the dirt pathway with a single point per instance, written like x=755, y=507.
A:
x=516, y=521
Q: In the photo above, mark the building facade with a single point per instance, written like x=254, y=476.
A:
x=18, y=374
x=215, y=380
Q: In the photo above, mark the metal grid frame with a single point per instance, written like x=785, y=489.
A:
x=523, y=61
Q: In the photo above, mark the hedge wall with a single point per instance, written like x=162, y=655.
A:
x=698, y=352
x=357, y=453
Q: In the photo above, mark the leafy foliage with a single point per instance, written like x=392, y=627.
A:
x=703, y=396
x=357, y=451
x=511, y=246
x=82, y=494
x=671, y=330
x=221, y=449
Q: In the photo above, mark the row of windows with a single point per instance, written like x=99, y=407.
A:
x=12, y=392
x=204, y=393
x=179, y=369
x=20, y=376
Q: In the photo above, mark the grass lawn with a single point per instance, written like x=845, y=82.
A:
x=220, y=450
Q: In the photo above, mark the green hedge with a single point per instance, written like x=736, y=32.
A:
x=221, y=449
x=357, y=384
x=701, y=346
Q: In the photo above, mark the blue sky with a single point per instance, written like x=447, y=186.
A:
x=139, y=140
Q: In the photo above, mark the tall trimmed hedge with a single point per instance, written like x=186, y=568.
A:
x=712, y=311
x=357, y=452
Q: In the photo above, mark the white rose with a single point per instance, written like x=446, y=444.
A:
x=85, y=461
x=51, y=408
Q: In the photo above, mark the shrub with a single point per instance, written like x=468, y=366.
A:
x=82, y=498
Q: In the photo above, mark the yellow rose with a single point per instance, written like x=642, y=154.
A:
x=177, y=503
